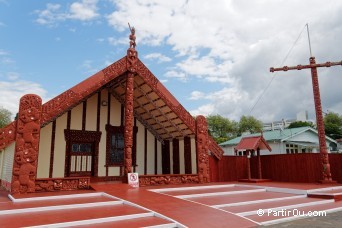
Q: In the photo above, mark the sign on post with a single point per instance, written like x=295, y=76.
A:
x=133, y=180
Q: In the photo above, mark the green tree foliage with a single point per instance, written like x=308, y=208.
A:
x=5, y=117
x=221, y=128
x=249, y=124
x=300, y=124
x=333, y=125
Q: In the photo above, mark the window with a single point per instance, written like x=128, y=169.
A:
x=82, y=151
x=117, y=148
x=291, y=148
x=81, y=148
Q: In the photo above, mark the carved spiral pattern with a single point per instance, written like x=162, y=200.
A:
x=27, y=144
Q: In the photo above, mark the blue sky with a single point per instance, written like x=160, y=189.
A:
x=214, y=58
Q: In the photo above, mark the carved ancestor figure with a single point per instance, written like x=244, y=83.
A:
x=27, y=144
x=132, y=37
x=132, y=54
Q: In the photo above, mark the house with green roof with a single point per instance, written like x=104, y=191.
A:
x=286, y=141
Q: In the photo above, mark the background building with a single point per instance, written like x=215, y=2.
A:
x=287, y=141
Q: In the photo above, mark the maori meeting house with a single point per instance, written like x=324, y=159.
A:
x=120, y=120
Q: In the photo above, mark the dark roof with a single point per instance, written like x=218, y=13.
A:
x=253, y=143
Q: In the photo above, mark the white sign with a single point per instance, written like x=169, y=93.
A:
x=133, y=180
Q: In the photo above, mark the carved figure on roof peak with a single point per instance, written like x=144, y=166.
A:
x=132, y=37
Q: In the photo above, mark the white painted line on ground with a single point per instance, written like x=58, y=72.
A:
x=247, y=213
x=95, y=221
x=256, y=201
x=60, y=207
x=324, y=189
x=144, y=208
x=168, y=225
x=192, y=188
x=286, y=190
x=249, y=186
x=55, y=197
x=219, y=193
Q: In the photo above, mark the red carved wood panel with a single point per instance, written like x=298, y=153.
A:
x=7, y=134
x=62, y=184
x=27, y=144
x=151, y=180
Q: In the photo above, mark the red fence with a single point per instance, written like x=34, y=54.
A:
x=335, y=161
x=229, y=168
x=306, y=168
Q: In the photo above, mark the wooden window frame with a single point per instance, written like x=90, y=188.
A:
x=115, y=129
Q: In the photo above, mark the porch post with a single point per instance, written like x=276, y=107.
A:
x=131, y=65
x=259, y=164
x=128, y=135
x=25, y=162
x=202, y=149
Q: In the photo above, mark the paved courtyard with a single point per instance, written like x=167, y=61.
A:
x=203, y=205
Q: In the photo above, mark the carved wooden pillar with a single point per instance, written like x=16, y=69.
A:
x=129, y=123
x=320, y=123
x=27, y=144
x=132, y=58
x=202, y=149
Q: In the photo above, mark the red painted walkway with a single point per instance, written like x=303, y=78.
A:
x=118, y=205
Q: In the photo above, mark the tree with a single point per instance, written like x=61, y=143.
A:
x=300, y=124
x=249, y=124
x=5, y=117
x=221, y=128
x=333, y=125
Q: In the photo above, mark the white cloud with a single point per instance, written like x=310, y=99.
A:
x=234, y=43
x=12, y=76
x=196, y=95
x=11, y=92
x=7, y=61
x=117, y=41
x=158, y=56
x=175, y=74
x=85, y=10
x=3, y=52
